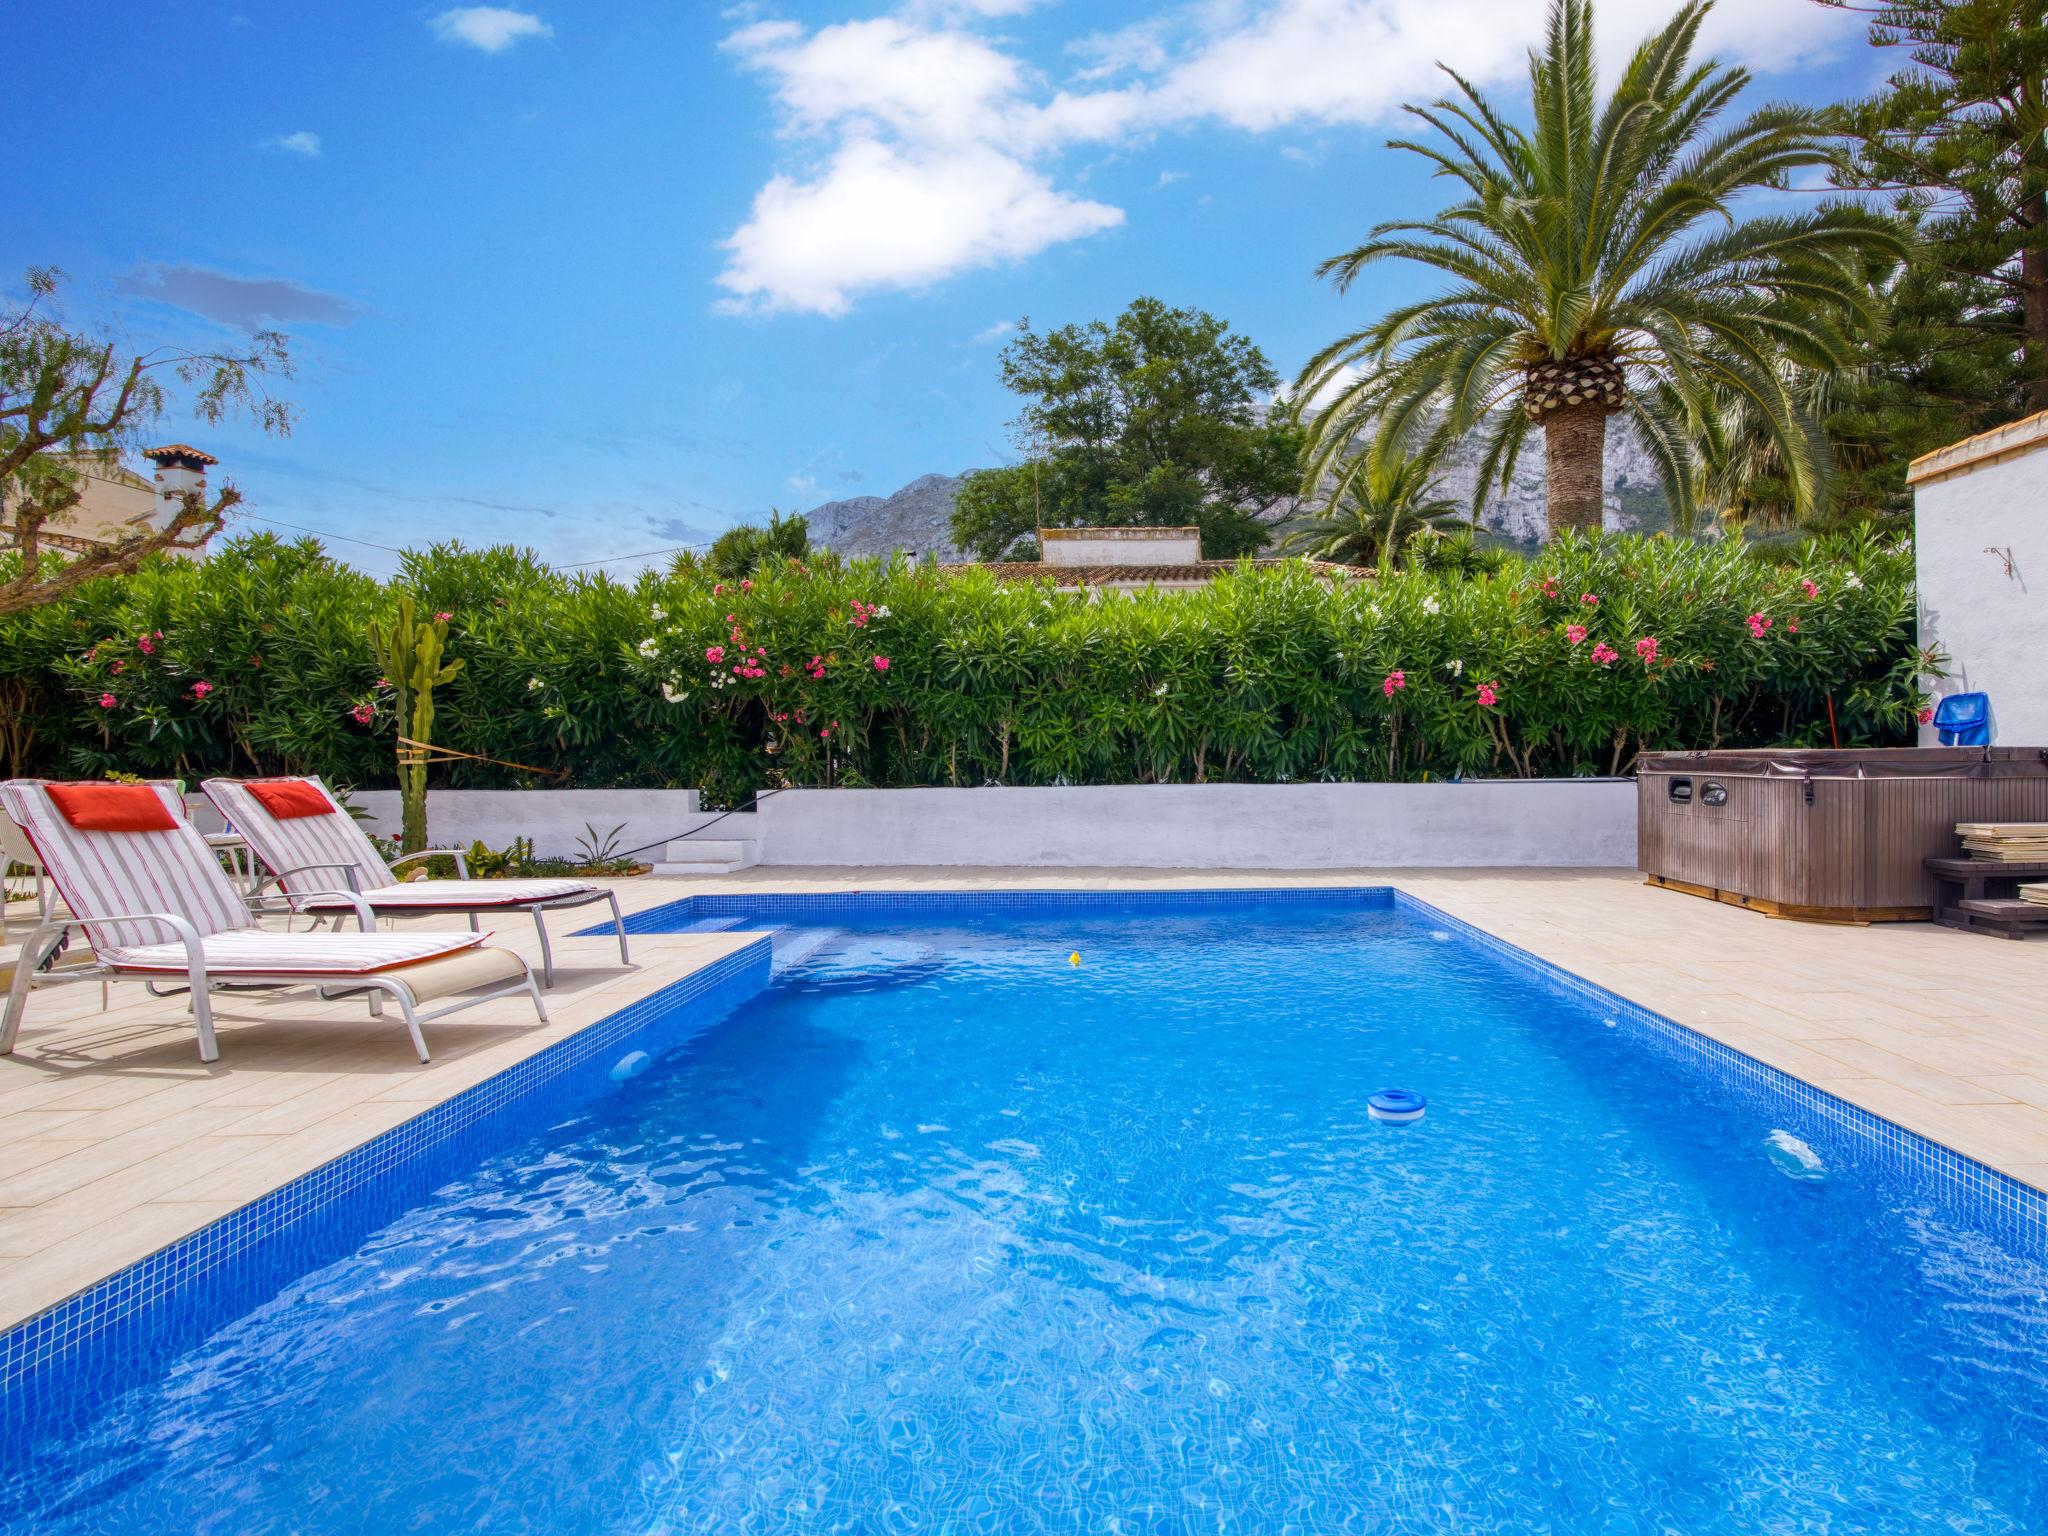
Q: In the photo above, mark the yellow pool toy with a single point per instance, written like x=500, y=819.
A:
x=1074, y=958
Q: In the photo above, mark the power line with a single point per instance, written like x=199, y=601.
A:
x=673, y=549
x=321, y=533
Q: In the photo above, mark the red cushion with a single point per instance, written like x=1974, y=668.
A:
x=112, y=807
x=288, y=799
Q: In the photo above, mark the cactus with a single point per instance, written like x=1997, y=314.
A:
x=410, y=652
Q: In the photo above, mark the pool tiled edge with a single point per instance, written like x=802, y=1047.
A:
x=2016, y=1212
x=205, y=1277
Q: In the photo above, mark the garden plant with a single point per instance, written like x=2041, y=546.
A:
x=1465, y=662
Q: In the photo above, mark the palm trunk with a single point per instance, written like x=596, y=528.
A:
x=1574, y=451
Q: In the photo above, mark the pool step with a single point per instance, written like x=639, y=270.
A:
x=708, y=856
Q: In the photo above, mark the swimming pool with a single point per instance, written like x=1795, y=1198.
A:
x=1059, y=1216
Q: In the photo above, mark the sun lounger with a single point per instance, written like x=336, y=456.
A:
x=312, y=846
x=151, y=898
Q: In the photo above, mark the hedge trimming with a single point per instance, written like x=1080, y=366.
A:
x=256, y=661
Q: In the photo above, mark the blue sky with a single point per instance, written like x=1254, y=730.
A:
x=605, y=278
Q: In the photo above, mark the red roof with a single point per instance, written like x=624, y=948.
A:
x=180, y=451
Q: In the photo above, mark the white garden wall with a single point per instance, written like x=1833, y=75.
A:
x=1510, y=823
x=553, y=818
x=1531, y=822
x=1981, y=541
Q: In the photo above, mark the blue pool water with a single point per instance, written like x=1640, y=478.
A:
x=946, y=1233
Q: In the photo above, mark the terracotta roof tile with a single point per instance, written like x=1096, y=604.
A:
x=179, y=451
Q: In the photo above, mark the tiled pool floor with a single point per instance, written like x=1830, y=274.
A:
x=116, y=1140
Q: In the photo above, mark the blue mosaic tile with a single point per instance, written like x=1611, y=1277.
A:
x=185, y=1290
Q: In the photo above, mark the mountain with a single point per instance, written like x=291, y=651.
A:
x=918, y=518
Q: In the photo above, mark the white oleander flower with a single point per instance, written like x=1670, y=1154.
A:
x=533, y=685
x=1159, y=692
x=672, y=693
x=882, y=612
x=1457, y=666
x=1431, y=605
x=1852, y=580
x=648, y=646
x=659, y=615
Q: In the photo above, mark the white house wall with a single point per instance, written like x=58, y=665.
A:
x=1981, y=521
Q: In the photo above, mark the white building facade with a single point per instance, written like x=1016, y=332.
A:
x=1980, y=514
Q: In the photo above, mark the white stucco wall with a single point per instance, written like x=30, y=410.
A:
x=1121, y=546
x=553, y=818
x=1977, y=506
x=1532, y=823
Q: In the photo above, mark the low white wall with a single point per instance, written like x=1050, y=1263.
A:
x=1533, y=823
x=553, y=818
x=1980, y=518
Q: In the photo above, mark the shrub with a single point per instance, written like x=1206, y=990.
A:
x=895, y=674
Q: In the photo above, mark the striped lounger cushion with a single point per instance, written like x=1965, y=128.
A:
x=326, y=954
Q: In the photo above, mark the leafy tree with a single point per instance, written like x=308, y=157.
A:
x=69, y=402
x=1376, y=508
x=1601, y=266
x=742, y=550
x=1156, y=419
x=1959, y=139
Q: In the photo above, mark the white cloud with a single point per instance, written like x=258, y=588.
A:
x=995, y=332
x=884, y=217
x=920, y=165
x=1168, y=178
x=492, y=28
x=924, y=148
x=300, y=143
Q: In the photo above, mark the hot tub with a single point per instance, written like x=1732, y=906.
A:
x=1838, y=836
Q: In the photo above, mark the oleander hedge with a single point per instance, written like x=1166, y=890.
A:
x=1568, y=663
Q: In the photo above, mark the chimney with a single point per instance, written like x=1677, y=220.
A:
x=180, y=471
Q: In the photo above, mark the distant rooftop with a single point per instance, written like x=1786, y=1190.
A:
x=182, y=455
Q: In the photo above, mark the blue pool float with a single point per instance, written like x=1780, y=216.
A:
x=1396, y=1105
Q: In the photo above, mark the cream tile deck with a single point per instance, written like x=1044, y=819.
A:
x=115, y=1140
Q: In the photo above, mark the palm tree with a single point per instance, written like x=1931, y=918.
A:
x=1377, y=505
x=1600, y=265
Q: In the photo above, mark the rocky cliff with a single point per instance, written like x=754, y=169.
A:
x=918, y=518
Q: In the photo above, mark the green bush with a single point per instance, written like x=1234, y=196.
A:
x=887, y=675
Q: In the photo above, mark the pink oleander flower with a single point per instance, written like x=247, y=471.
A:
x=1575, y=633
x=746, y=586
x=1646, y=649
x=1549, y=586
x=201, y=689
x=364, y=713
x=1604, y=653
x=732, y=618
x=146, y=645
x=1589, y=599
x=1394, y=680
x=1757, y=625
x=118, y=668
x=1488, y=695
x=718, y=590
x=108, y=701
x=443, y=616
x=1926, y=715
x=881, y=663
x=714, y=654
x=1791, y=626
x=1809, y=588
x=383, y=682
